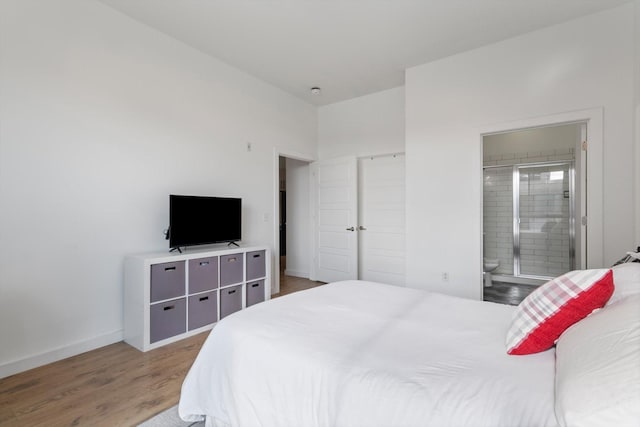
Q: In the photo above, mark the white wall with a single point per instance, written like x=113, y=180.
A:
x=298, y=232
x=101, y=119
x=637, y=123
x=546, y=139
x=368, y=125
x=558, y=69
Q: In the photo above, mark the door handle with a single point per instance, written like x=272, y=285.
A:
x=351, y=229
x=361, y=228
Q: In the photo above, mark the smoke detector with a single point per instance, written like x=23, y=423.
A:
x=315, y=90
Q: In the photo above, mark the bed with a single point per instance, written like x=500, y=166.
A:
x=357, y=353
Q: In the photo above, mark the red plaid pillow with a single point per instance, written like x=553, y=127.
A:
x=545, y=314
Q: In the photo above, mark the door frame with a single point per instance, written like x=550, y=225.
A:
x=592, y=208
x=277, y=153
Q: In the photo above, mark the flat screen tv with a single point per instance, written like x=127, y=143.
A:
x=197, y=220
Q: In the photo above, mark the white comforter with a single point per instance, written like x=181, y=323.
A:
x=365, y=354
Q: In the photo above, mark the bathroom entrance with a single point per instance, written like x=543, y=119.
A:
x=530, y=194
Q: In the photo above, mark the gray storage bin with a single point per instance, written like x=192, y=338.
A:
x=255, y=292
x=230, y=300
x=167, y=319
x=167, y=280
x=256, y=265
x=203, y=274
x=203, y=309
x=231, y=269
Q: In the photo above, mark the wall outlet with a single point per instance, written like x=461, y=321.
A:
x=445, y=276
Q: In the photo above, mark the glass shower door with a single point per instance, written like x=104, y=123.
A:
x=543, y=224
x=498, y=218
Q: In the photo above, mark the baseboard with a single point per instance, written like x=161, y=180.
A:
x=294, y=273
x=30, y=362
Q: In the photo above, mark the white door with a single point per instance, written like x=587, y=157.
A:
x=334, y=207
x=381, y=222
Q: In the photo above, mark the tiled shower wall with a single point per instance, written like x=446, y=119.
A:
x=539, y=256
x=498, y=217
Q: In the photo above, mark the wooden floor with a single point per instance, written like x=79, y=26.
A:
x=118, y=385
x=289, y=285
x=115, y=385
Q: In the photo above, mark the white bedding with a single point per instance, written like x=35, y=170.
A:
x=358, y=353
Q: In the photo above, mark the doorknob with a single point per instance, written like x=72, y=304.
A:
x=351, y=229
x=361, y=228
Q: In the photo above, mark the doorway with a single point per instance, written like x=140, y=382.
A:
x=531, y=206
x=291, y=219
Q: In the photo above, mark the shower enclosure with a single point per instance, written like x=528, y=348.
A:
x=529, y=219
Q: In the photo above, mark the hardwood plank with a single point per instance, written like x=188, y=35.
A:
x=115, y=385
x=290, y=284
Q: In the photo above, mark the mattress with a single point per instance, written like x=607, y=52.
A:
x=358, y=353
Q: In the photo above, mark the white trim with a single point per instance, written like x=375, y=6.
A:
x=637, y=153
x=636, y=146
x=580, y=181
x=277, y=153
x=377, y=156
x=594, y=119
x=34, y=361
x=313, y=223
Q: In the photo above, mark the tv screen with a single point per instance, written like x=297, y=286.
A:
x=196, y=220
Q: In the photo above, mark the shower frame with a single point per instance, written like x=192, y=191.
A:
x=516, y=211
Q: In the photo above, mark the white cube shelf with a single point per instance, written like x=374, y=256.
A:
x=168, y=297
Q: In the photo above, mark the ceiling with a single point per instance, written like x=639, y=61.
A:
x=349, y=48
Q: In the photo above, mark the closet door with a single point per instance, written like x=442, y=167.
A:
x=358, y=218
x=334, y=207
x=381, y=224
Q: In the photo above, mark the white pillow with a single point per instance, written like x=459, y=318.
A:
x=598, y=368
x=626, y=278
